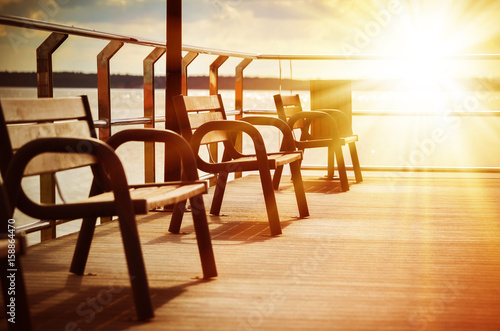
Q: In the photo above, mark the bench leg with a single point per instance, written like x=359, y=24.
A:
x=344, y=182
x=82, y=248
x=355, y=162
x=203, y=236
x=177, y=215
x=270, y=199
x=278, y=172
x=220, y=188
x=136, y=268
x=298, y=186
x=277, y=177
x=331, y=162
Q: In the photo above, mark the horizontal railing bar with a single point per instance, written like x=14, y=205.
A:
x=232, y=112
x=27, y=23
x=33, y=227
x=62, y=28
x=207, y=177
x=39, y=225
x=377, y=57
x=218, y=52
x=490, y=170
x=479, y=113
x=160, y=119
x=260, y=111
x=130, y=121
x=100, y=123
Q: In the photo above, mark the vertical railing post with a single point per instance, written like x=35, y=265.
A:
x=186, y=61
x=238, y=100
x=103, y=86
x=45, y=89
x=104, y=92
x=238, y=87
x=44, y=75
x=149, y=111
x=214, y=74
x=213, y=90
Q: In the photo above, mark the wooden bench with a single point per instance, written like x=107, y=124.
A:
x=202, y=121
x=40, y=136
x=337, y=133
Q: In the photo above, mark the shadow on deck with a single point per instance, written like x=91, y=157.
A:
x=391, y=254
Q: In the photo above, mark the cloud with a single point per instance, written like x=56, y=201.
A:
x=273, y=26
x=116, y=2
x=4, y=3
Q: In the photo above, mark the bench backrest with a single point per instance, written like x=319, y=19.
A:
x=198, y=110
x=287, y=106
x=24, y=120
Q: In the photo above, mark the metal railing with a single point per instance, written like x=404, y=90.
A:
x=60, y=32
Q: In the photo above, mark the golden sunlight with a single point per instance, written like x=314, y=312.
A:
x=428, y=38
x=425, y=40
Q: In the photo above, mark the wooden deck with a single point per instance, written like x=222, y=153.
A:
x=391, y=254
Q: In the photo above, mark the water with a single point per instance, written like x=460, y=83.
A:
x=442, y=140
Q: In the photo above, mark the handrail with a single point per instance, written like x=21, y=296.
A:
x=23, y=22
x=128, y=121
x=464, y=170
x=476, y=113
x=365, y=57
x=91, y=33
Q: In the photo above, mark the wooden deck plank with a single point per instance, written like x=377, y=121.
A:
x=392, y=254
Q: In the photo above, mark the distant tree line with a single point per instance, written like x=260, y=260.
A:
x=76, y=79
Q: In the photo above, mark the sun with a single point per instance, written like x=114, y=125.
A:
x=424, y=62
x=423, y=52
x=423, y=47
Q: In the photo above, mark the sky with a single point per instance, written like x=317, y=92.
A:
x=419, y=30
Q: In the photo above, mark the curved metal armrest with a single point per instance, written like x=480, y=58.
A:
x=288, y=140
x=229, y=126
x=169, y=137
x=105, y=155
x=343, y=122
x=316, y=114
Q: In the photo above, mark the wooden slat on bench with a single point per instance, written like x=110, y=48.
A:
x=47, y=110
x=51, y=162
x=21, y=134
x=203, y=102
x=147, y=198
x=165, y=195
x=52, y=118
x=197, y=119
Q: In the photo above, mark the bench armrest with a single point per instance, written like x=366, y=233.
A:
x=315, y=114
x=288, y=140
x=106, y=158
x=343, y=122
x=169, y=137
x=231, y=127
